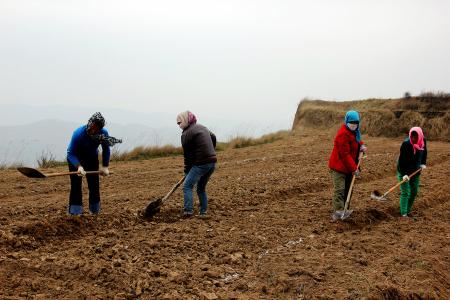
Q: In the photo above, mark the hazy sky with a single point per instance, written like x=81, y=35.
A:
x=250, y=59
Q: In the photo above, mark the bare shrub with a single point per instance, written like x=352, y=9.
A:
x=115, y=154
x=47, y=160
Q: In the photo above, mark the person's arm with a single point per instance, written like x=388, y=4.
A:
x=213, y=139
x=185, y=143
x=71, y=149
x=403, y=158
x=106, y=151
x=424, y=154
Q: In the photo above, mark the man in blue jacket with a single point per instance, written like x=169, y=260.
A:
x=82, y=156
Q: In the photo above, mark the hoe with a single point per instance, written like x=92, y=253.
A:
x=376, y=195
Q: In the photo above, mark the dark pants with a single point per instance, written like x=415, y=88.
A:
x=341, y=183
x=76, y=194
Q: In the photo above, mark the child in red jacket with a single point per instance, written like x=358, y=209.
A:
x=344, y=158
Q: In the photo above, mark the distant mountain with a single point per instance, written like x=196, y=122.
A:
x=25, y=143
x=22, y=114
x=26, y=131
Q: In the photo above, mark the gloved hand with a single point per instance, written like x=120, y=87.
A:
x=363, y=148
x=81, y=171
x=357, y=173
x=423, y=167
x=406, y=178
x=104, y=171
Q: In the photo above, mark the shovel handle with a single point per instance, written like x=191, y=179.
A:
x=173, y=189
x=347, y=201
x=401, y=182
x=73, y=173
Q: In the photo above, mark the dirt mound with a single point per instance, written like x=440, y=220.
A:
x=388, y=118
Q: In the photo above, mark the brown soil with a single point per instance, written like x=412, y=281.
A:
x=269, y=235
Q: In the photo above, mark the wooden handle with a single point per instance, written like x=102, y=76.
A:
x=173, y=189
x=73, y=173
x=401, y=182
x=347, y=201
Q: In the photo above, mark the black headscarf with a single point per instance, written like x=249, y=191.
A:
x=98, y=119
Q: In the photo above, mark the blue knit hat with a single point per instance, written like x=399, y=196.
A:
x=353, y=116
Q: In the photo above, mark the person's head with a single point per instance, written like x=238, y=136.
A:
x=416, y=136
x=352, y=120
x=185, y=119
x=95, y=124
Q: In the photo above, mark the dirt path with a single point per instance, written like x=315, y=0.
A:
x=269, y=235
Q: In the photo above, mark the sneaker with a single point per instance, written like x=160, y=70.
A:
x=187, y=215
x=203, y=216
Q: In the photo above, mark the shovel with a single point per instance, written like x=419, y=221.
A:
x=33, y=173
x=376, y=195
x=344, y=214
x=154, y=206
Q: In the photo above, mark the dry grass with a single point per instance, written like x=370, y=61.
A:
x=381, y=117
x=143, y=152
x=242, y=141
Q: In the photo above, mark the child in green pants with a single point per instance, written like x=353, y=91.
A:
x=413, y=155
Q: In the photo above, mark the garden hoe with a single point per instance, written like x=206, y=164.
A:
x=344, y=214
x=33, y=173
x=154, y=206
x=376, y=195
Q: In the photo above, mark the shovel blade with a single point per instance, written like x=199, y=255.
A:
x=341, y=214
x=30, y=172
x=376, y=195
x=153, y=208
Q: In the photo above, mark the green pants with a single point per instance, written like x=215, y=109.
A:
x=341, y=183
x=408, y=193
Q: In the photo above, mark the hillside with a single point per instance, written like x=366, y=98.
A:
x=388, y=117
x=269, y=235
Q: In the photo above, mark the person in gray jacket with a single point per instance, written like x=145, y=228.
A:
x=199, y=161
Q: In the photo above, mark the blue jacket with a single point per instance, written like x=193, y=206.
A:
x=83, y=148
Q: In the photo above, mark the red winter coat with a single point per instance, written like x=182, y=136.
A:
x=345, y=151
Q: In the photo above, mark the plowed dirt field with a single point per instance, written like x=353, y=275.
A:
x=269, y=235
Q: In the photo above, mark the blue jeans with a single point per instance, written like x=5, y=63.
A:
x=197, y=175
